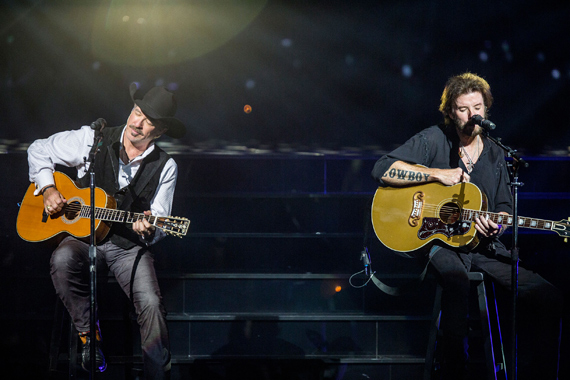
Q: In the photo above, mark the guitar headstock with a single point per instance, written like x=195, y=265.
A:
x=173, y=225
x=562, y=228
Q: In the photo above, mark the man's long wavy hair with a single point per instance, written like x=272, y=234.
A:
x=460, y=85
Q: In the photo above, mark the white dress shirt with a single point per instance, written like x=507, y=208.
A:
x=71, y=149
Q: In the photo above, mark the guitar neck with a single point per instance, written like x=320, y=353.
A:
x=114, y=215
x=171, y=225
x=503, y=219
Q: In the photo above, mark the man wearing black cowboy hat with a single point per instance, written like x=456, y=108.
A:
x=142, y=178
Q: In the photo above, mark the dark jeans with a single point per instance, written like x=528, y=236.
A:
x=134, y=271
x=539, y=311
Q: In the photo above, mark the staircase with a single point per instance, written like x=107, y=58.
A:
x=260, y=285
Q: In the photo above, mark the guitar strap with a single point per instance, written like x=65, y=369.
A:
x=407, y=287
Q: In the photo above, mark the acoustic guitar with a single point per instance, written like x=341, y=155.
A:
x=34, y=224
x=406, y=219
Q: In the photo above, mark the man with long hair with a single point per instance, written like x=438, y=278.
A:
x=454, y=152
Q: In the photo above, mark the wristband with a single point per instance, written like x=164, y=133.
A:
x=45, y=188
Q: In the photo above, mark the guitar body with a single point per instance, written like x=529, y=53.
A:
x=406, y=219
x=34, y=225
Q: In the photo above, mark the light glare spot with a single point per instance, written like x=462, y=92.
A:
x=249, y=84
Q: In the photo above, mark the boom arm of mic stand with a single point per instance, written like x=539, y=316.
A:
x=510, y=152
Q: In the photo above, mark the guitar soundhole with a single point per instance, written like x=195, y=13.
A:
x=72, y=210
x=450, y=213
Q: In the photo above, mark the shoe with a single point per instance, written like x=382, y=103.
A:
x=86, y=353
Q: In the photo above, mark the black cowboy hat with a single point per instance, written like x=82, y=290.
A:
x=159, y=105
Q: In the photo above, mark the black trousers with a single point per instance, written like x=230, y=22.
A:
x=539, y=312
x=134, y=271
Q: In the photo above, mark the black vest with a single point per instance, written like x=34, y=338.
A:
x=134, y=197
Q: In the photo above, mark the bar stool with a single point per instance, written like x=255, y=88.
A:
x=495, y=365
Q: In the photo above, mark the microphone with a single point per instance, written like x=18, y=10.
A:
x=484, y=123
x=98, y=125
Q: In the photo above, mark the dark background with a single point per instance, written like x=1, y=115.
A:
x=328, y=74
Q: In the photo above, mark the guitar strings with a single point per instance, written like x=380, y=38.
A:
x=527, y=222
x=451, y=209
x=78, y=207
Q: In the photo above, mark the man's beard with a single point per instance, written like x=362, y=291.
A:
x=469, y=129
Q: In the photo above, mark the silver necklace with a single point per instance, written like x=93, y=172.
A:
x=470, y=162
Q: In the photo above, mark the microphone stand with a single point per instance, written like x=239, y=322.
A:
x=93, y=258
x=515, y=184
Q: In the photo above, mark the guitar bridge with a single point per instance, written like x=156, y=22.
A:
x=417, y=207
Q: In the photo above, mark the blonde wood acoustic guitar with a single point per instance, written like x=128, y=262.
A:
x=406, y=219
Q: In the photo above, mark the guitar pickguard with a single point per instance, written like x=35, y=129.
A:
x=432, y=226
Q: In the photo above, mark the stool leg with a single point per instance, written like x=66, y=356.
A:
x=434, y=329
x=486, y=331
x=73, y=338
x=502, y=365
x=56, y=332
x=128, y=329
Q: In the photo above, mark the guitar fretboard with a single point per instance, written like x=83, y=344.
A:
x=503, y=219
x=114, y=215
